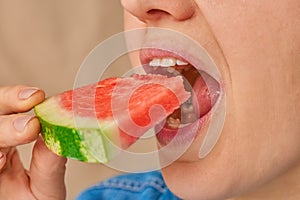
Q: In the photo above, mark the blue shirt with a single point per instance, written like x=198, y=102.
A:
x=143, y=186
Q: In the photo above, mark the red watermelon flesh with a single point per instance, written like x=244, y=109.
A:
x=92, y=123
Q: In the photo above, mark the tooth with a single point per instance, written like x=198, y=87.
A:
x=188, y=117
x=171, y=70
x=155, y=62
x=187, y=108
x=180, y=62
x=154, y=68
x=189, y=101
x=173, y=123
x=167, y=62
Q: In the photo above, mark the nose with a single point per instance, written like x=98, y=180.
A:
x=150, y=10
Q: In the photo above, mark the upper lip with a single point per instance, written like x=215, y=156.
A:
x=168, y=44
x=147, y=54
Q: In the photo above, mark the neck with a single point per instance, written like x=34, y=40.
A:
x=286, y=186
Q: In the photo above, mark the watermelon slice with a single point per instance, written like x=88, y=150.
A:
x=94, y=122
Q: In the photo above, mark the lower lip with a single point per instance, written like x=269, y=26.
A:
x=186, y=133
x=182, y=136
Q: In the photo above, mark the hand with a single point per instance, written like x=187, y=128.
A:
x=45, y=178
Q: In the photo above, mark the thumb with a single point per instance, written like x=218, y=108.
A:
x=47, y=172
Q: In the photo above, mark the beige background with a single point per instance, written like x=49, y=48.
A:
x=42, y=44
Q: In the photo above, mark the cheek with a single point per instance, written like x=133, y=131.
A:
x=266, y=118
x=134, y=35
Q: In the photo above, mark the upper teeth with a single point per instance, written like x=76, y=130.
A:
x=166, y=62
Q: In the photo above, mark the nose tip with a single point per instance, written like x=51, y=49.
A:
x=147, y=10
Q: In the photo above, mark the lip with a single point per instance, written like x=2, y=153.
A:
x=186, y=133
x=166, y=43
x=146, y=55
x=183, y=136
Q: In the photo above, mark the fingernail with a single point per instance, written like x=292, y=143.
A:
x=27, y=92
x=21, y=122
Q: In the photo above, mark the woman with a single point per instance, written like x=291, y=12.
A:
x=255, y=46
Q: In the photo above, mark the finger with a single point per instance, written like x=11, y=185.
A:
x=12, y=177
x=17, y=129
x=2, y=160
x=5, y=155
x=47, y=172
x=19, y=98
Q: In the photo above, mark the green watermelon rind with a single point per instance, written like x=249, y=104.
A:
x=68, y=142
x=94, y=143
x=87, y=138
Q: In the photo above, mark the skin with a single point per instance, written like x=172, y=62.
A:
x=40, y=181
x=255, y=45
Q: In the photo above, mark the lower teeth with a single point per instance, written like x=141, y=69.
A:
x=187, y=113
x=187, y=116
x=173, y=123
x=172, y=71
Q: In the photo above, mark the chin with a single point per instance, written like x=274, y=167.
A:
x=217, y=176
x=189, y=181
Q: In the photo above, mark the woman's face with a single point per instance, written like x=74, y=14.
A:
x=256, y=46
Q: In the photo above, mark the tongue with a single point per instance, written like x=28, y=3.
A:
x=206, y=92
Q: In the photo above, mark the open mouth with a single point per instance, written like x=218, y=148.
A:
x=205, y=90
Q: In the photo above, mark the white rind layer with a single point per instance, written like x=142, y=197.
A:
x=95, y=141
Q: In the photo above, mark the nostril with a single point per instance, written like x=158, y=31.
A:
x=146, y=10
x=156, y=11
x=177, y=13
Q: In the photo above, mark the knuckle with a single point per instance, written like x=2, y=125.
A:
x=3, y=153
x=30, y=133
x=27, y=138
x=10, y=100
x=18, y=129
